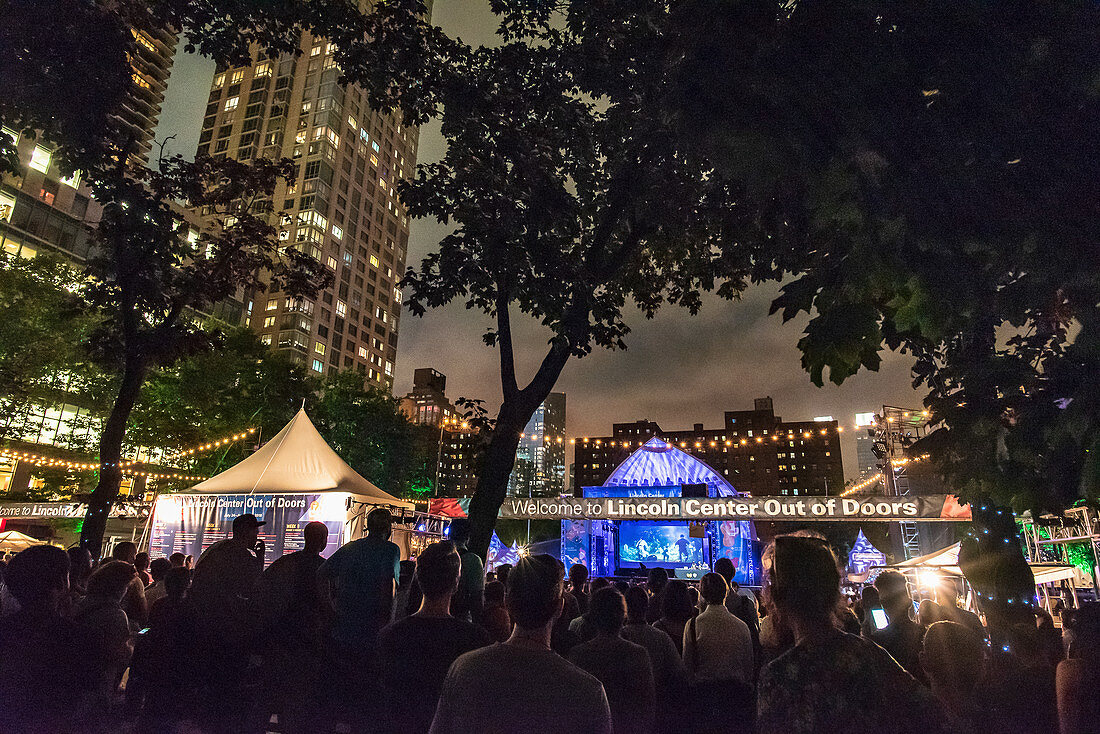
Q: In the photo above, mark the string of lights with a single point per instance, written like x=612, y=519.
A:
x=687, y=444
x=210, y=445
x=876, y=478
x=56, y=462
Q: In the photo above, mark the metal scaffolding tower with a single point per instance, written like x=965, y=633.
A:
x=895, y=430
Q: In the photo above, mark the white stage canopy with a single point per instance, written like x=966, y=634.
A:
x=295, y=460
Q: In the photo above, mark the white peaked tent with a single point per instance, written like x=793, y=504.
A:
x=295, y=478
x=296, y=460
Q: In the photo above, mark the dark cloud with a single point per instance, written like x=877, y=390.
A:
x=678, y=369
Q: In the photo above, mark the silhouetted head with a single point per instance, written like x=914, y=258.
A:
x=159, y=568
x=437, y=569
x=177, y=582
x=380, y=522
x=38, y=577
x=637, y=604
x=141, y=561
x=502, y=573
x=894, y=592
x=656, y=580
x=460, y=532
x=676, y=604
x=80, y=565
x=953, y=656
x=803, y=581
x=494, y=593
x=534, y=596
x=316, y=537
x=246, y=528
x=578, y=575
x=713, y=588
x=607, y=610
x=178, y=560
x=125, y=551
x=724, y=568
x=110, y=580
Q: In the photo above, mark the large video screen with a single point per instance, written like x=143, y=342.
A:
x=654, y=544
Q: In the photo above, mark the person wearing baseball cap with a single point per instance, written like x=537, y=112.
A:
x=221, y=591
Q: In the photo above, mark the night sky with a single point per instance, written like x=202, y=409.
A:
x=677, y=370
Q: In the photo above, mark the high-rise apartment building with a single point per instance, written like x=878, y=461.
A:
x=44, y=211
x=540, y=457
x=341, y=206
x=866, y=460
x=756, y=451
x=151, y=63
x=442, y=434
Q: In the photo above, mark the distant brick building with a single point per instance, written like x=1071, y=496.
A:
x=755, y=450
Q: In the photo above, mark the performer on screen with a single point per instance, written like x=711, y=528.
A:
x=683, y=546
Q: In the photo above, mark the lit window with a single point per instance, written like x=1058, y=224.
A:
x=337, y=232
x=269, y=322
x=341, y=308
x=332, y=262
x=319, y=347
x=40, y=159
x=238, y=77
x=47, y=195
x=73, y=180
x=7, y=205
x=231, y=103
x=263, y=69
x=266, y=340
x=140, y=80
x=374, y=261
x=389, y=368
x=315, y=51
x=352, y=123
x=272, y=304
x=318, y=366
x=363, y=352
x=218, y=80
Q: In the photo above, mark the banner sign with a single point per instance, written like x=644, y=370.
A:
x=190, y=523
x=924, y=508
x=64, y=510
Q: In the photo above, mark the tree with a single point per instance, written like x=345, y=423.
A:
x=44, y=325
x=153, y=273
x=569, y=195
x=239, y=385
x=932, y=181
x=367, y=429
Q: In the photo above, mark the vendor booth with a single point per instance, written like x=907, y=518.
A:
x=927, y=571
x=687, y=549
x=294, y=479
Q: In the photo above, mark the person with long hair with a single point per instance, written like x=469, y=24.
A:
x=676, y=611
x=830, y=681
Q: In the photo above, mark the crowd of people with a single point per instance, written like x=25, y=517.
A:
x=365, y=642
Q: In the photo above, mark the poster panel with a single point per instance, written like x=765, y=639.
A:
x=574, y=542
x=189, y=524
x=734, y=541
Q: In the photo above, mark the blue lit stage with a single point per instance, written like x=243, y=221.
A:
x=627, y=547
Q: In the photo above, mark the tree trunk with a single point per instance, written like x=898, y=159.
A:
x=110, y=454
x=500, y=457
